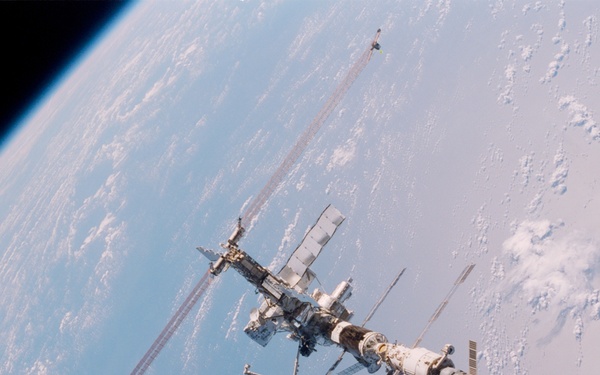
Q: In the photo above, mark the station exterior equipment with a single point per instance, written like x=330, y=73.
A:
x=260, y=200
x=320, y=318
x=311, y=319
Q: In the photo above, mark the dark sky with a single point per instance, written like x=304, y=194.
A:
x=39, y=40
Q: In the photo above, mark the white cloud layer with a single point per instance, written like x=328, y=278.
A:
x=553, y=269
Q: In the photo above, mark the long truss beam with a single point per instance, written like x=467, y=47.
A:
x=340, y=92
x=173, y=324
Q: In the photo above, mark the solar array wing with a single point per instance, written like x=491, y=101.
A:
x=472, y=357
x=461, y=279
x=296, y=271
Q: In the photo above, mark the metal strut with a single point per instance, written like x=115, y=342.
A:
x=173, y=324
x=461, y=279
x=257, y=203
x=383, y=297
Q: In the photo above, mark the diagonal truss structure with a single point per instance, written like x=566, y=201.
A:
x=259, y=201
x=173, y=324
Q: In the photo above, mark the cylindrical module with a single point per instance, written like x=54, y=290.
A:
x=372, y=349
x=418, y=361
x=360, y=342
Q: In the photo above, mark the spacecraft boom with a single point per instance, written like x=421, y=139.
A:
x=221, y=263
x=173, y=324
x=340, y=92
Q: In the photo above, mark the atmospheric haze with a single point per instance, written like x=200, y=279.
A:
x=472, y=137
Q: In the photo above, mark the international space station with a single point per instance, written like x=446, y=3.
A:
x=313, y=318
x=319, y=318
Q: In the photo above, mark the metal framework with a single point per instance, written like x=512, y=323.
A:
x=173, y=324
x=257, y=203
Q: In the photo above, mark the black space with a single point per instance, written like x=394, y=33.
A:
x=39, y=39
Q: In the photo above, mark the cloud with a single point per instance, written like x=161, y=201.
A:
x=342, y=155
x=581, y=116
x=553, y=269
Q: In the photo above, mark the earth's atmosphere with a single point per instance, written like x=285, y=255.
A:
x=471, y=138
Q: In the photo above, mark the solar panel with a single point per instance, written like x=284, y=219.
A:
x=296, y=271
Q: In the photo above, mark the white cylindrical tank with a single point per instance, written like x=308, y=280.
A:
x=414, y=361
x=343, y=291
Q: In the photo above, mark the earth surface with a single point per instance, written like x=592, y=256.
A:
x=472, y=137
